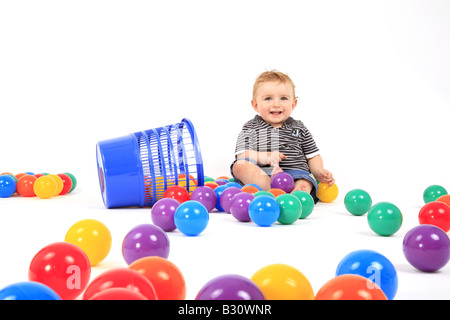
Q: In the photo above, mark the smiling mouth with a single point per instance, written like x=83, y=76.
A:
x=275, y=113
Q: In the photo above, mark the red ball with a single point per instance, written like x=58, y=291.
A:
x=121, y=278
x=25, y=186
x=67, y=183
x=178, y=193
x=63, y=267
x=117, y=294
x=437, y=214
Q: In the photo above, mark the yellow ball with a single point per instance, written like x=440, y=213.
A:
x=45, y=187
x=326, y=193
x=283, y=282
x=59, y=183
x=91, y=236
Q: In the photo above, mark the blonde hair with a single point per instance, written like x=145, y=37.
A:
x=272, y=75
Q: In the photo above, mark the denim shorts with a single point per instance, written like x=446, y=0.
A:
x=294, y=173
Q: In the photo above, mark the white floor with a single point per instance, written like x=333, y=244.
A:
x=314, y=245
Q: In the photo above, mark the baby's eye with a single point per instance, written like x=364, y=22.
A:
x=268, y=99
x=284, y=98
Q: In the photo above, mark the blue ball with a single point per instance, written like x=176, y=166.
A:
x=218, y=190
x=264, y=210
x=233, y=184
x=28, y=290
x=191, y=217
x=372, y=265
x=7, y=186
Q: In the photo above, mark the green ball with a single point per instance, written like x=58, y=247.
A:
x=307, y=202
x=290, y=208
x=385, y=218
x=357, y=202
x=433, y=192
x=263, y=193
x=208, y=179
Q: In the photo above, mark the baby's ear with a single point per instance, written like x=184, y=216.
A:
x=255, y=106
x=294, y=103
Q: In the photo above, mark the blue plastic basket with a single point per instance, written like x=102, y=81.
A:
x=136, y=170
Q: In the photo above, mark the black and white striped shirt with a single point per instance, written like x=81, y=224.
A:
x=293, y=139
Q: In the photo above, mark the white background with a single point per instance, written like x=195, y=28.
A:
x=372, y=79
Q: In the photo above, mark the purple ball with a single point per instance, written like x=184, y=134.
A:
x=145, y=240
x=239, y=206
x=283, y=181
x=426, y=247
x=230, y=287
x=206, y=196
x=163, y=212
x=226, y=196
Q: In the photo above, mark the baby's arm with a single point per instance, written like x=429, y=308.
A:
x=323, y=175
x=263, y=158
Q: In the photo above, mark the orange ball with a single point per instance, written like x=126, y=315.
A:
x=250, y=189
x=350, y=287
x=25, y=186
x=164, y=275
x=445, y=199
x=276, y=192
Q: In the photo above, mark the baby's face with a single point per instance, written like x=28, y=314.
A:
x=274, y=102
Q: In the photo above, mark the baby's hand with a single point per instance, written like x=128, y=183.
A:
x=270, y=158
x=325, y=176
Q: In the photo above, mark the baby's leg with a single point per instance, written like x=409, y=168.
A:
x=248, y=172
x=303, y=185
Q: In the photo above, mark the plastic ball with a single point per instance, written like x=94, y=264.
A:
x=230, y=287
x=290, y=208
x=93, y=237
x=124, y=278
x=219, y=190
x=264, y=193
x=165, y=276
x=435, y=213
x=357, y=202
x=307, y=202
x=239, y=206
x=250, y=189
x=233, y=184
x=426, y=248
x=445, y=199
x=384, y=218
x=25, y=186
x=59, y=183
x=163, y=212
x=264, y=211
x=350, y=287
x=28, y=290
x=191, y=218
x=283, y=181
x=74, y=181
x=433, y=192
x=178, y=193
x=7, y=186
x=67, y=183
x=206, y=196
x=221, y=182
x=117, y=294
x=373, y=266
x=226, y=196
x=45, y=187
x=212, y=185
x=63, y=267
x=327, y=194
x=283, y=282
x=276, y=192
x=145, y=240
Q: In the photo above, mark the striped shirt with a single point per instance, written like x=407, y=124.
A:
x=293, y=139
